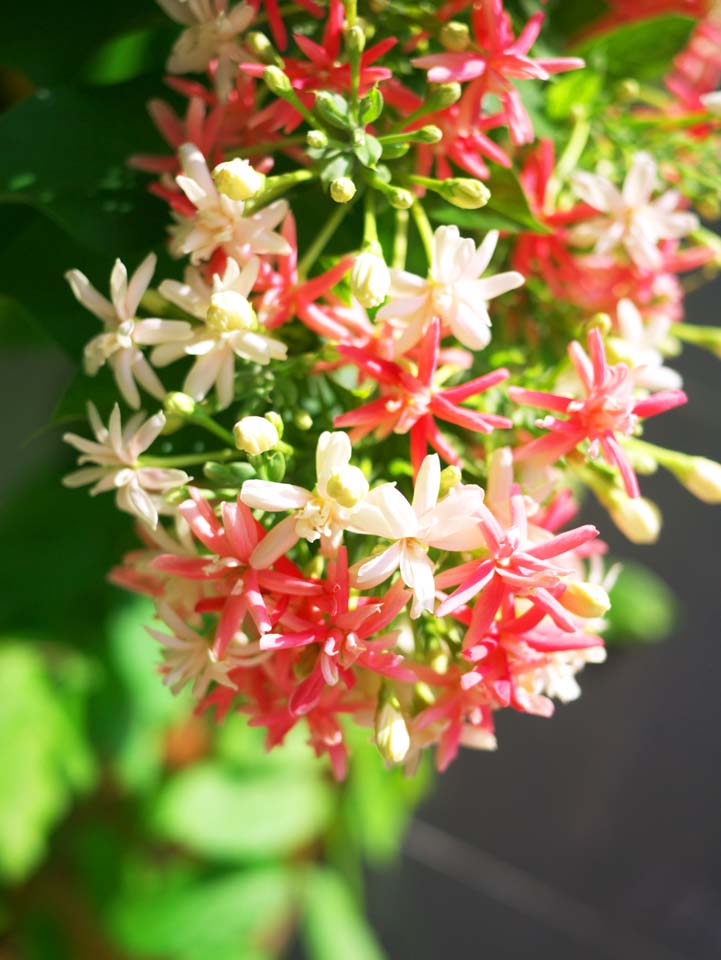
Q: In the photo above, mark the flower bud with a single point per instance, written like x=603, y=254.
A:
x=347, y=486
x=303, y=420
x=255, y=435
x=370, y=279
x=277, y=81
x=229, y=475
x=442, y=95
x=392, y=737
x=399, y=198
x=275, y=418
x=229, y=310
x=179, y=404
x=428, y=134
x=261, y=47
x=316, y=139
x=355, y=39
x=636, y=517
x=342, y=189
x=465, y=193
x=702, y=478
x=275, y=466
x=454, y=36
x=450, y=478
x=588, y=600
x=237, y=179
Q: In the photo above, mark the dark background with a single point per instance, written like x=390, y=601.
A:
x=595, y=834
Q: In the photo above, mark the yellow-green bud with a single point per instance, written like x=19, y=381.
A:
x=428, y=134
x=303, y=420
x=342, y=189
x=587, y=600
x=277, y=81
x=275, y=418
x=355, y=39
x=347, y=486
x=465, y=193
x=237, y=179
x=702, y=478
x=392, y=737
x=400, y=198
x=455, y=36
x=179, y=404
x=442, y=95
x=261, y=47
x=255, y=435
x=316, y=139
x=636, y=517
x=450, y=478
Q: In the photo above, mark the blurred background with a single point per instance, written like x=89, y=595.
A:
x=129, y=829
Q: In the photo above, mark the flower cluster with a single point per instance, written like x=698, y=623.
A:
x=380, y=530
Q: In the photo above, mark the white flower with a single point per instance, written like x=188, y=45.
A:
x=218, y=221
x=391, y=733
x=638, y=346
x=114, y=455
x=254, y=435
x=230, y=330
x=370, y=279
x=413, y=528
x=632, y=219
x=189, y=658
x=321, y=514
x=557, y=677
x=211, y=34
x=453, y=291
x=712, y=101
x=119, y=344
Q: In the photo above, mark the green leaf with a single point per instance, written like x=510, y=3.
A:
x=580, y=88
x=65, y=154
x=223, y=918
x=367, y=149
x=229, y=817
x=643, y=607
x=45, y=758
x=371, y=106
x=642, y=49
x=333, y=926
x=507, y=208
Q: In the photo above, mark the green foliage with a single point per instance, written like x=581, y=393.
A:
x=45, y=758
x=229, y=817
x=576, y=90
x=643, y=607
x=642, y=49
x=333, y=925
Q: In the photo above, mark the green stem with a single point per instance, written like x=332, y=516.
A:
x=354, y=58
x=276, y=186
x=321, y=239
x=420, y=218
x=267, y=146
x=400, y=240
x=568, y=161
x=186, y=459
x=370, y=227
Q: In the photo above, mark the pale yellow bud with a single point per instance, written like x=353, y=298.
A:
x=347, y=486
x=370, y=279
x=255, y=435
x=230, y=310
x=342, y=189
x=702, y=477
x=179, y=404
x=455, y=36
x=450, y=478
x=588, y=600
x=237, y=180
x=392, y=737
x=636, y=517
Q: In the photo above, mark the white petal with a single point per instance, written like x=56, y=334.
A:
x=376, y=569
x=428, y=485
x=265, y=495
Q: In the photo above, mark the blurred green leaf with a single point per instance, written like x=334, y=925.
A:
x=333, y=926
x=642, y=49
x=45, y=757
x=580, y=88
x=643, y=607
x=220, y=918
x=228, y=817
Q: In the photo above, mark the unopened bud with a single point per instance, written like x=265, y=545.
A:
x=276, y=81
x=355, y=39
x=261, y=47
x=237, y=179
x=636, y=517
x=255, y=435
x=454, y=36
x=702, y=478
x=392, y=737
x=316, y=139
x=342, y=189
x=629, y=89
x=465, y=193
x=176, y=496
x=347, y=486
x=229, y=310
x=370, y=279
x=275, y=466
x=303, y=420
x=400, y=198
x=450, y=478
x=442, y=95
x=275, y=418
x=428, y=134
x=588, y=600
x=179, y=404
x=229, y=475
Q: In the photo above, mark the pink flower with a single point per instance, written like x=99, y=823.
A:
x=493, y=62
x=410, y=404
x=608, y=409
